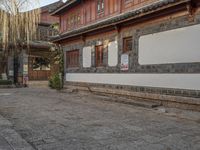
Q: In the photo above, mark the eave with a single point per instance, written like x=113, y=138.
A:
x=64, y=7
x=156, y=9
x=40, y=45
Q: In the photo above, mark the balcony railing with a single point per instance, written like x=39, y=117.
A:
x=121, y=8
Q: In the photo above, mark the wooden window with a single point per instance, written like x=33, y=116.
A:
x=39, y=63
x=99, y=56
x=72, y=58
x=100, y=6
x=127, y=44
x=74, y=19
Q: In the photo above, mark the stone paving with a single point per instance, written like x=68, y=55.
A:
x=10, y=139
x=44, y=119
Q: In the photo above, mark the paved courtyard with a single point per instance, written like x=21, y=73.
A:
x=43, y=119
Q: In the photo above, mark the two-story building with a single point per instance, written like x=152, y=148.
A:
x=34, y=59
x=39, y=66
x=149, y=48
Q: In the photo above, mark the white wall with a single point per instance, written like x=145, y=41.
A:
x=113, y=53
x=179, y=81
x=175, y=46
x=87, y=56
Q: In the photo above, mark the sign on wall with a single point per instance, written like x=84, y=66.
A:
x=124, y=62
x=113, y=54
x=25, y=69
x=11, y=73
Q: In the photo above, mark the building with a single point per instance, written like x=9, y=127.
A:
x=34, y=61
x=39, y=67
x=144, y=48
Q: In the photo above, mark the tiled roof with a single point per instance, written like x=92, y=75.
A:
x=64, y=6
x=52, y=6
x=120, y=18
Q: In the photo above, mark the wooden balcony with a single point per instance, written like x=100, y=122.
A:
x=89, y=14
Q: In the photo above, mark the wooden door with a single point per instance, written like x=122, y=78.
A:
x=99, y=56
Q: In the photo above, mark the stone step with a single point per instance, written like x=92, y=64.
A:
x=130, y=101
x=119, y=99
x=187, y=103
x=39, y=84
x=7, y=86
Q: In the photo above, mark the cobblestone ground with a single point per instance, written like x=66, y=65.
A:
x=49, y=120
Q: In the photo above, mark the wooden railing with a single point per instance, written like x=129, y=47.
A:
x=134, y=4
x=121, y=7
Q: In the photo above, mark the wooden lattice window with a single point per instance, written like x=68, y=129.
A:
x=72, y=58
x=100, y=6
x=99, y=56
x=74, y=19
x=127, y=44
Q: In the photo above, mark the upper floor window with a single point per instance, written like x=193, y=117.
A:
x=127, y=44
x=100, y=6
x=72, y=58
x=74, y=19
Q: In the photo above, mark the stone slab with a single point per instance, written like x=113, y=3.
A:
x=10, y=139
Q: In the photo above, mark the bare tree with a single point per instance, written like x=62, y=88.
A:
x=18, y=25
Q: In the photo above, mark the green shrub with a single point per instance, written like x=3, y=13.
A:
x=5, y=82
x=55, y=82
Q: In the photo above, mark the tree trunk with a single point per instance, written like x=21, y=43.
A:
x=16, y=69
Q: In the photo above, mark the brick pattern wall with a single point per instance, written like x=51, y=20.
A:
x=134, y=66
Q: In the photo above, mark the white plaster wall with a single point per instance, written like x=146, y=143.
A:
x=175, y=46
x=87, y=56
x=113, y=54
x=179, y=81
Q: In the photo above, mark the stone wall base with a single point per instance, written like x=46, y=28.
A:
x=188, y=103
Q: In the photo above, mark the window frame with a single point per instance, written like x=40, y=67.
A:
x=73, y=58
x=100, y=6
x=125, y=42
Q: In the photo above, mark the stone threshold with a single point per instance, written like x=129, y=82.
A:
x=7, y=86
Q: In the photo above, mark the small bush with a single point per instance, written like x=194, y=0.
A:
x=55, y=82
x=5, y=82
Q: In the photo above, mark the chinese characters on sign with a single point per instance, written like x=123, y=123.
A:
x=124, y=62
